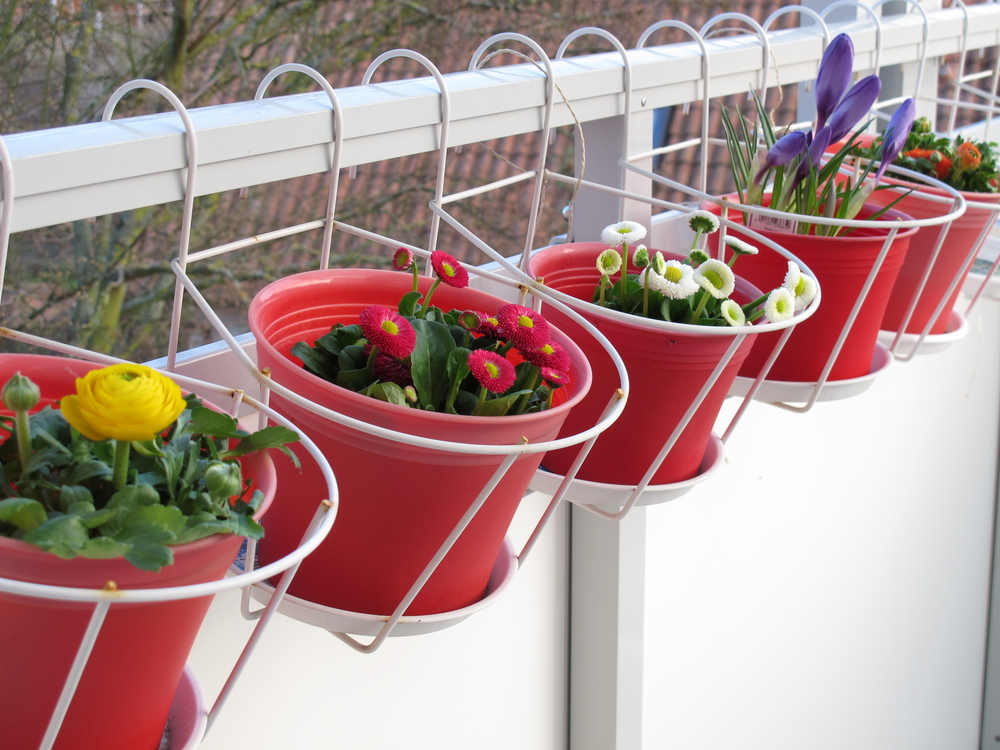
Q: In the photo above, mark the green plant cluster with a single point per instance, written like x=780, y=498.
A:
x=438, y=367
x=937, y=156
x=186, y=487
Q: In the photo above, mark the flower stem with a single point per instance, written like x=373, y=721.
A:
x=645, y=294
x=427, y=300
x=121, y=463
x=759, y=301
x=697, y=239
x=703, y=301
x=604, y=281
x=449, y=404
x=370, y=365
x=23, y=438
x=522, y=403
x=482, y=400
x=621, y=283
x=416, y=276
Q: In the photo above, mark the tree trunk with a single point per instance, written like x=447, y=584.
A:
x=173, y=74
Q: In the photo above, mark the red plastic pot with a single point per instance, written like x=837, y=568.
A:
x=841, y=265
x=126, y=690
x=962, y=236
x=666, y=371
x=398, y=502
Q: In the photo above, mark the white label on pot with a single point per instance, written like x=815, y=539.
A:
x=773, y=224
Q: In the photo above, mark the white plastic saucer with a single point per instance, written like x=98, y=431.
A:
x=358, y=623
x=776, y=391
x=956, y=330
x=614, y=496
x=188, y=715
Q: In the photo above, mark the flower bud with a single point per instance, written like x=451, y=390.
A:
x=921, y=125
x=640, y=259
x=470, y=320
x=697, y=257
x=967, y=156
x=411, y=394
x=20, y=394
x=223, y=479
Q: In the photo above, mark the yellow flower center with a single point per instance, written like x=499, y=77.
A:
x=715, y=278
x=493, y=321
x=624, y=230
x=673, y=274
x=547, y=349
x=800, y=287
x=525, y=322
x=782, y=306
x=492, y=369
x=390, y=327
x=448, y=270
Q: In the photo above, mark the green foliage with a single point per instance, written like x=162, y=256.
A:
x=180, y=489
x=938, y=157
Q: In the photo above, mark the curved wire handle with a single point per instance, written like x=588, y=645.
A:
x=705, y=78
x=543, y=151
x=192, y=158
x=445, y=123
x=758, y=30
x=338, y=145
x=961, y=66
x=802, y=10
x=923, y=54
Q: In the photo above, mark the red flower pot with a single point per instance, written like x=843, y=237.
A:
x=962, y=236
x=126, y=690
x=841, y=265
x=398, y=502
x=666, y=370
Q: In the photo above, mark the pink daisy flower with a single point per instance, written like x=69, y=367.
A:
x=389, y=369
x=549, y=355
x=388, y=330
x=449, y=270
x=402, y=259
x=523, y=326
x=493, y=372
x=489, y=326
x=555, y=377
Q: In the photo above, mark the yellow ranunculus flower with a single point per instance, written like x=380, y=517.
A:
x=123, y=402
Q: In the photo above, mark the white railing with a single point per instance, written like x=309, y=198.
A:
x=86, y=170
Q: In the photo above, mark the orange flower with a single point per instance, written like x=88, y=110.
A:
x=943, y=167
x=921, y=153
x=968, y=156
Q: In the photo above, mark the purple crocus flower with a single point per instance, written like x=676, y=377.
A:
x=834, y=77
x=817, y=147
x=855, y=105
x=896, y=133
x=783, y=151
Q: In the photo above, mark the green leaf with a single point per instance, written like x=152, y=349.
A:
x=87, y=470
x=389, y=392
x=149, y=556
x=272, y=436
x=72, y=494
x=317, y=362
x=458, y=364
x=167, y=518
x=134, y=496
x=147, y=448
x=103, y=548
x=202, y=530
x=355, y=380
x=408, y=304
x=63, y=536
x=465, y=402
x=209, y=422
x=429, y=362
x=497, y=407
x=352, y=358
x=23, y=512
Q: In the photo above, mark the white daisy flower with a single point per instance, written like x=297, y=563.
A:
x=623, y=233
x=703, y=221
x=780, y=305
x=609, y=262
x=740, y=247
x=715, y=277
x=802, y=287
x=677, y=281
x=733, y=314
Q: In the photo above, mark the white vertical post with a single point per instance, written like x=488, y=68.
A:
x=594, y=209
x=608, y=558
x=607, y=606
